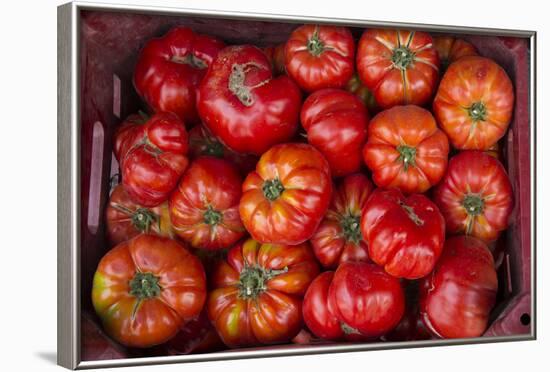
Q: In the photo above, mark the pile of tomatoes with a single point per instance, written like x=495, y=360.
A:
x=308, y=191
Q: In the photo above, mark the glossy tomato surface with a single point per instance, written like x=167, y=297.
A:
x=475, y=196
x=405, y=235
x=170, y=68
x=204, y=208
x=319, y=57
x=336, y=124
x=364, y=297
x=338, y=238
x=399, y=67
x=243, y=105
x=451, y=49
x=457, y=298
x=152, y=153
x=126, y=219
x=405, y=149
x=286, y=197
x=474, y=103
x=146, y=288
x=257, y=293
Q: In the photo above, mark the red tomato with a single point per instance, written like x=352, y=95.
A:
x=338, y=238
x=458, y=296
x=474, y=103
x=126, y=219
x=170, y=68
x=258, y=290
x=451, y=49
x=356, y=86
x=399, y=67
x=146, y=288
x=318, y=57
x=197, y=336
x=336, y=124
x=366, y=299
x=405, y=149
x=276, y=56
x=404, y=235
x=287, y=196
x=152, y=154
x=243, y=105
x=204, y=208
x=475, y=196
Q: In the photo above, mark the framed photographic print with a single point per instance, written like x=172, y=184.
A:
x=239, y=185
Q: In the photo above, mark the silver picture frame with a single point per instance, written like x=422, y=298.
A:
x=68, y=183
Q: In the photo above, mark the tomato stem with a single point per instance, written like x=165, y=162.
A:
x=314, y=45
x=478, y=111
x=402, y=57
x=407, y=155
x=144, y=286
x=348, y=330
x=237, y=82
x=253, y=280
x=411, y=213
x=272, y=189
x=351, y=228
x=191, y=60
x=212, y=216
x=143, y=218
x=473, y=204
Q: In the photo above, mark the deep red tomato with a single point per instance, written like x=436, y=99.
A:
x=405, y=149
x=458, y=296
x=204, y=208
x=243, y=105
x=126, y=219
x=197, y=336
x=202, y=142
x=338, y=238
x=336, y=124
x=287, y=196
x=318, y=57
x=356, y=86
x=404, y=235
x=258, y=290
x=474, y=103
x=276, y=56
x=475, y=196
x=146, y=288
x=366, y=299
x=399, y=67
x=451, y=49
x=170, y=68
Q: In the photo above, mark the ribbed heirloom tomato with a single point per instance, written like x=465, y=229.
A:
x=336, y=124
x=474, y=103
x=405, y=149
x=405, y=235
x=475, y=196
x=338, y=238
x=170, y=68
x=451, y=49
x=152, y=155
x=318, y=57
x=243, y=105
x=257, y=292
x=126, y=219
x=285, y=199
x=399, y=67
x=146, y=288
x=204, y=208
x=456, y=299
x=366, y=299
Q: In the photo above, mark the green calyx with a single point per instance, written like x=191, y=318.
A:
x=314, y=45
x=144, y=286
x=214, y=148
x=473, y=204
x=143, y=218
x=272, y=189
x=191, y=60
x=347, y=329
x=402, y=57
x=212, y=216
x=478, y=111
x=412, y=214
x=407, y=155
x=351, y=228
x=253, y=280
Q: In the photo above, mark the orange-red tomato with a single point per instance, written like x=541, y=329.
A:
x=276, y=56
x=287, y=196
x=146, y=288
x=126, y=219
x=474, y=103
x=399, y=67
x=319, y=56
x=338, y=238
x=475, y=196
x=405, y=149
x=257, y=292
x=204, y=208
x=450, y=49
